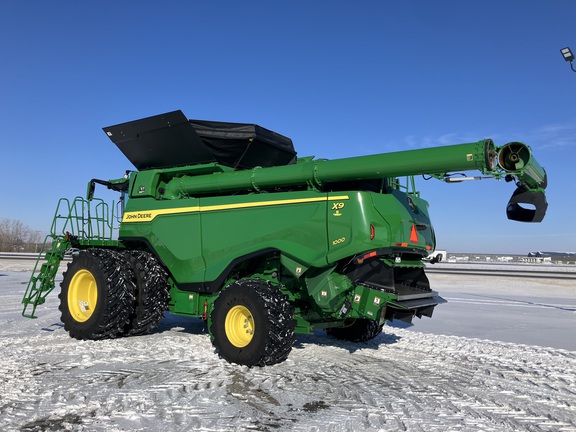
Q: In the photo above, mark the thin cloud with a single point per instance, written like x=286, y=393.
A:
x=450, y=138
x=547, y=136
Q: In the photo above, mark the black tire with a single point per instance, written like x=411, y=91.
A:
x=267, y=313
x=152, y=291
x=358, y=330
x=97, y=295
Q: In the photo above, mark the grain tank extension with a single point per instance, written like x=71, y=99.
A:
x=223, y=222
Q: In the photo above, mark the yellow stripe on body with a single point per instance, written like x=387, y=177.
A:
x=149, y=215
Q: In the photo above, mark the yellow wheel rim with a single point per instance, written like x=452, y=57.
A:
x=239, y=326
x=82, y=295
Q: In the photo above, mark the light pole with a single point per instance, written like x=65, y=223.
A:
x=568, y=56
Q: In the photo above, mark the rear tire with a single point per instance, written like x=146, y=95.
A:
x=252, y=324
x=359, y=330
x=96, y=297
x=152, y=291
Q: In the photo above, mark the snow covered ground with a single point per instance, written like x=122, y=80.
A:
x=408, y=379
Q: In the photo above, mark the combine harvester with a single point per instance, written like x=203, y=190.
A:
x=221, y=221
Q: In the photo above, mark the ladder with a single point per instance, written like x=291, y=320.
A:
x=41, y=283
x=80, y=223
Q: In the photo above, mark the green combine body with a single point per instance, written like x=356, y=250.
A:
x=221, y=221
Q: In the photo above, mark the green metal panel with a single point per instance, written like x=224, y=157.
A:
x=348, y=228
x=198, y=238
x=389, y=217
x=190, y=303
x=294, y=223
x=172, y=229
x=370, y=303
x=328, y=289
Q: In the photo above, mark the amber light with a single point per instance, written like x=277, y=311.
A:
x=372, y=232
x=361, y=259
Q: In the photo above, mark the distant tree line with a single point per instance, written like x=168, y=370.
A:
x=17, y=237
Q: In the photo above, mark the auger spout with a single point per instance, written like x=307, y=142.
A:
x=528, y=202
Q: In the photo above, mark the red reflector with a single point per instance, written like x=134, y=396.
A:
x=428, y=247
x=370, y=255
x=372, y=232
x=365, y=257
x=413, y=235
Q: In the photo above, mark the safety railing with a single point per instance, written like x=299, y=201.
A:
x=77, y=221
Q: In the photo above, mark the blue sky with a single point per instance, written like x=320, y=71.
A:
x=340, y=78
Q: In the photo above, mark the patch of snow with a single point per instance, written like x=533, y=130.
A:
x=403, y=380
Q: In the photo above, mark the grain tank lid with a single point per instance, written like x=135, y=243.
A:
x=161, y=141
x=245, y=145
x=171, y=140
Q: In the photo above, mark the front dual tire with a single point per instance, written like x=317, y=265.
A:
x=107, y=293
x=97, y=294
